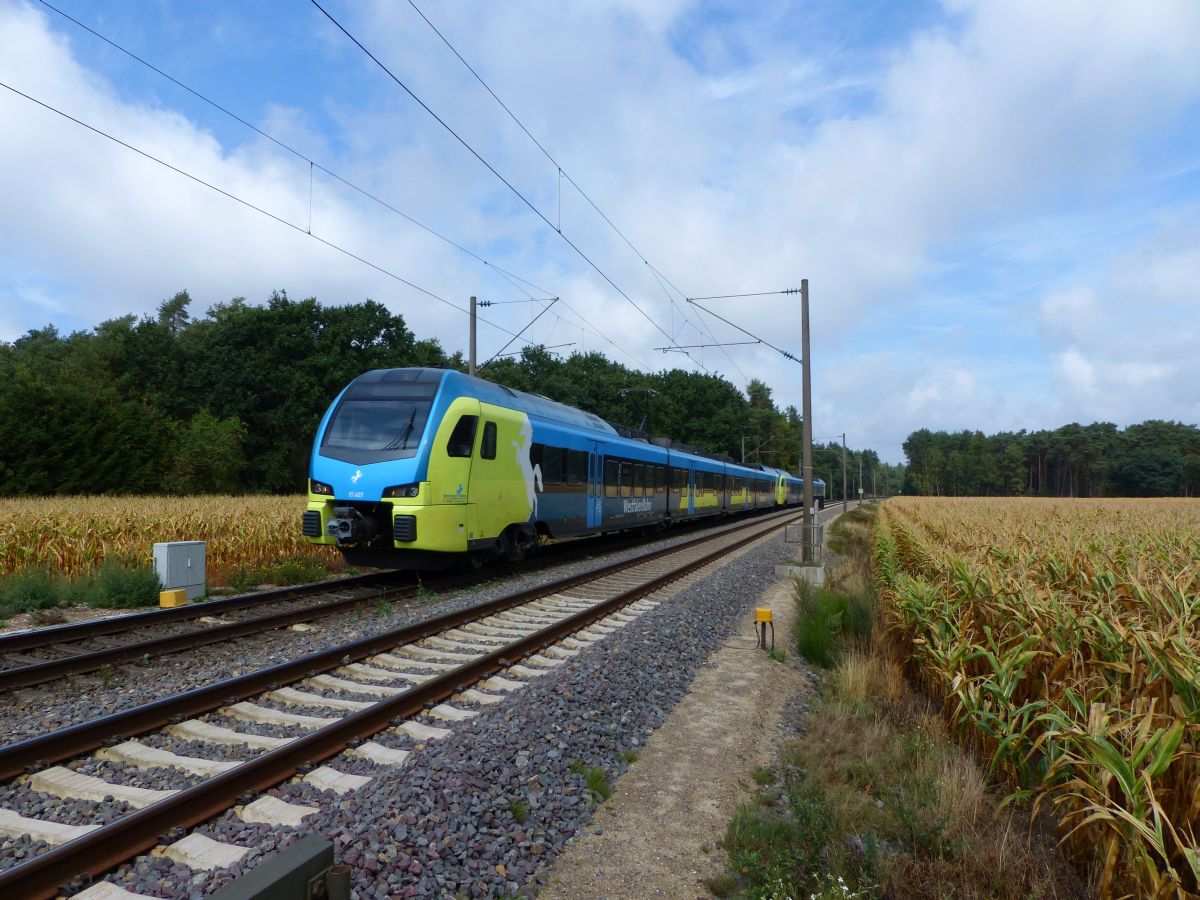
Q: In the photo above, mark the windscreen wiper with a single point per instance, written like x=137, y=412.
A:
x=399, y=443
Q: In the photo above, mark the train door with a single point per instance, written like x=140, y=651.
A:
x=595, y=490
x=691, y=491
x=450, y=482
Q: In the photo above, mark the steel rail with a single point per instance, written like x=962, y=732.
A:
x=39, y=673
x=78, y=631
x=113, y=844
x=80, y=662
x=85, y=736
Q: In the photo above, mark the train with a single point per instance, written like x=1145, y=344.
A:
x=423, y=468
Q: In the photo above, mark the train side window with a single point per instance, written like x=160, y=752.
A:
x=626, y=479
x=462, y=438
x=639, y=481
x=487, y=448
x=660, y=479
x=552, y=465
x=611, y=481
x=576, y=466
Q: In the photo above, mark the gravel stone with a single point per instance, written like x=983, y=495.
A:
x=446, y=823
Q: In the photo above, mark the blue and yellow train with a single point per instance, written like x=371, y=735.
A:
x=420, y=468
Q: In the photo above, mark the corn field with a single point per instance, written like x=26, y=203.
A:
x=71, y=536
x=1064, y=637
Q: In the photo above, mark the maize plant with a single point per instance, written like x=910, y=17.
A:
x=1063, y=637
x=71, y=536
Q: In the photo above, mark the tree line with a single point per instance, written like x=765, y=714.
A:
x=229, y=402
x=1153, y=459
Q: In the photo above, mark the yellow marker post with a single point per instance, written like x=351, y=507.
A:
x=168, y=599
x=762, y=614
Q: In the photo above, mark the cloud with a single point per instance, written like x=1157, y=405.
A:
x=730, y=165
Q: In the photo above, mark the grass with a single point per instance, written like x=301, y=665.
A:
x=825, y=619
x=519, y=810
x=424, y=594
x=630, y=756
x=596, y=780
x=874, y=797
x=114, y=585
x=297, y=570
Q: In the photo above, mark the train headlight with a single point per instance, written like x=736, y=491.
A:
x=402, y=490
x=319, y=487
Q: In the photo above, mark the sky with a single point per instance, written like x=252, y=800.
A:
x=996, y=204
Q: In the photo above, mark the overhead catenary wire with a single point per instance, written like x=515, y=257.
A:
x=251, y=206
x=470, y=149
x=564, y=174
x=511, y=277
x=784, y=353
x=754, y=294
x=517, y=335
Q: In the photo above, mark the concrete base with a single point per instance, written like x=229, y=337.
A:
x=814, y=575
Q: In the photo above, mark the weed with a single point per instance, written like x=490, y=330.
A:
x=41, y=618
x=824, y=618
x=778, y=655
x=424, y=594
x=519, y=810
x=30, y=590
x=598, y=784
x=106, y=674
x=723, y=885
x=116, y=585
x=243, y=579
x=762, y=775
x=382, y=608
x=630, y=756
x=767, y=850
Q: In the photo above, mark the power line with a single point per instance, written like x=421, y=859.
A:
x=561, y=174
x=702, y=346
x=249, y=205
x=546, y=347
x=785, y=353
x=758, y=294
x=503, y=273
x=518, y=334
x=495, y=172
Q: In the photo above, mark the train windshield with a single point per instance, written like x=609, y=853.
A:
x=374, y=430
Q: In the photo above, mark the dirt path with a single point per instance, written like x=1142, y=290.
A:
x=659, y=831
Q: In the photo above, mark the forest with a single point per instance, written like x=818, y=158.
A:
x=228, y=402
x=1152, y=459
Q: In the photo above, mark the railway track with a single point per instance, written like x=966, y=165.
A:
x=38, y=656
x=412, y=684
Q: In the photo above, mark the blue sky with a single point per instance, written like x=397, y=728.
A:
x=997, y=203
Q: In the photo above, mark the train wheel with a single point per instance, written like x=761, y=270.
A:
x=512, y=546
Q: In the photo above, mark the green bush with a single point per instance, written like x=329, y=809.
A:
x=767, y=850
x=284, y=573
x=824, y=618
x=116, y=585
x=30, y=590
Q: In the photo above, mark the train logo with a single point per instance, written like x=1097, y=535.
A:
x=356, y=476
